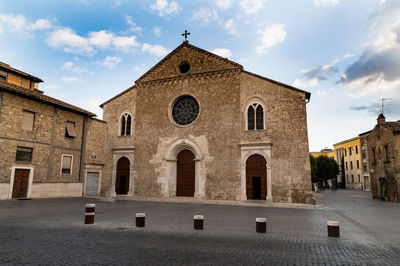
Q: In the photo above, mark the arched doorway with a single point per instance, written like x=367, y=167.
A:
x=122, y=178
x=256, y=177
x=185, y=174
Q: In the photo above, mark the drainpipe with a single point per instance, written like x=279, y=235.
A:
x=83, y=143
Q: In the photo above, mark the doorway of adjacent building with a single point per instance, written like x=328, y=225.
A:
x=256, y=177
x=185, y=174
x=122, y=178
x=92, y=183
x=20, y=186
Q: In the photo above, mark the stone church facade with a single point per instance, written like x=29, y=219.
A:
x=199, y=125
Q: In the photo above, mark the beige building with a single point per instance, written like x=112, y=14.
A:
x=383, y=159
x=199, y=125
x=48, y=148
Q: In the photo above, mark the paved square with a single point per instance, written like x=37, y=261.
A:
x=51, y=231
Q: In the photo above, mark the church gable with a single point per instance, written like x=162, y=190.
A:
x=187, y=59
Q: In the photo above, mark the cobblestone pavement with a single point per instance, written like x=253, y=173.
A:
x=51, y=231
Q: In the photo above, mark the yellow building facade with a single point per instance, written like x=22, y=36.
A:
x=350, y=151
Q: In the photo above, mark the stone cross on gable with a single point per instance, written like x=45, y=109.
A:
x=186, y=34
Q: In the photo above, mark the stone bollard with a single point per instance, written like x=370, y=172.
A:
x=333, y=229
x=140, y=219
x=198, y=222
x=89, y=213
x=261, y=225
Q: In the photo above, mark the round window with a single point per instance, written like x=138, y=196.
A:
x=185, y=110
x=184, y=67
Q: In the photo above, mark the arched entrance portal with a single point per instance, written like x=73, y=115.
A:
x=122, y=179
x=185, y=174
x=256, y=177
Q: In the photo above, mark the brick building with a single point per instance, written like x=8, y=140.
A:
x=48, y=148
x=383, y=159
x=199, y=125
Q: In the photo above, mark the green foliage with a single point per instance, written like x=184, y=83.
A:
x=313, y=163
x=327, y=168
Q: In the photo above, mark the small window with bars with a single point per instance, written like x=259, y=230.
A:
x=70, y=131
x=66, y=164
x=24, y=154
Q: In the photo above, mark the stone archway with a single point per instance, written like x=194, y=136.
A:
x=171, y=158
x=185, y=174
x=122, y=176
x=256, y=177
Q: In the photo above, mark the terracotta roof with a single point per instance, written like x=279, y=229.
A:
x=186, y=44
x=393, y=126
x=39, y=96
x=5, y=66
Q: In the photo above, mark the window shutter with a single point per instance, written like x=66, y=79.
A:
x=66, y=162
x=27, y=120
x=71, y=129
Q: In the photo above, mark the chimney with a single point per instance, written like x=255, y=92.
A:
x=381, y=119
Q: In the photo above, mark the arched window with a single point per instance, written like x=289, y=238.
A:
x=255, y=117
x=126, y=122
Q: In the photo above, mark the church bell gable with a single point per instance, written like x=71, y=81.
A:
x=185, y=60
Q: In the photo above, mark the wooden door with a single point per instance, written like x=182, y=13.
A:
x=185, y=174
x=122, y=178
x=20, y=186
x=256, y=177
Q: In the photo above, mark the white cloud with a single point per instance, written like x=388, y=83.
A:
x=206, y=15
x=125, y=43
x=74, y=68
x=304, y=83
x=133, y=26
x=347, y=55
x=251, y=7
x=53, y=90
x=156, y=50
x=230, y=26
x=140, y=69
x=224, y=4
x=157, y=31
x=71, y=42
x=164, y=8
x=19, y=24
x=222, y=52
x=70, y=79
x=101, y=39
x=271, y=36
x=111, y=61
x=326, y=2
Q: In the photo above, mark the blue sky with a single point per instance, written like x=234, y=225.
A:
x=346, y=53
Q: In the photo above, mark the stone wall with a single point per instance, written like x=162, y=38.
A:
x=286, y=128
x=378, y=139
x=215, y=137
x=47, y=139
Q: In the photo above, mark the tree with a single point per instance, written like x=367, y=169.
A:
x=313, y=163
x=327, y=168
